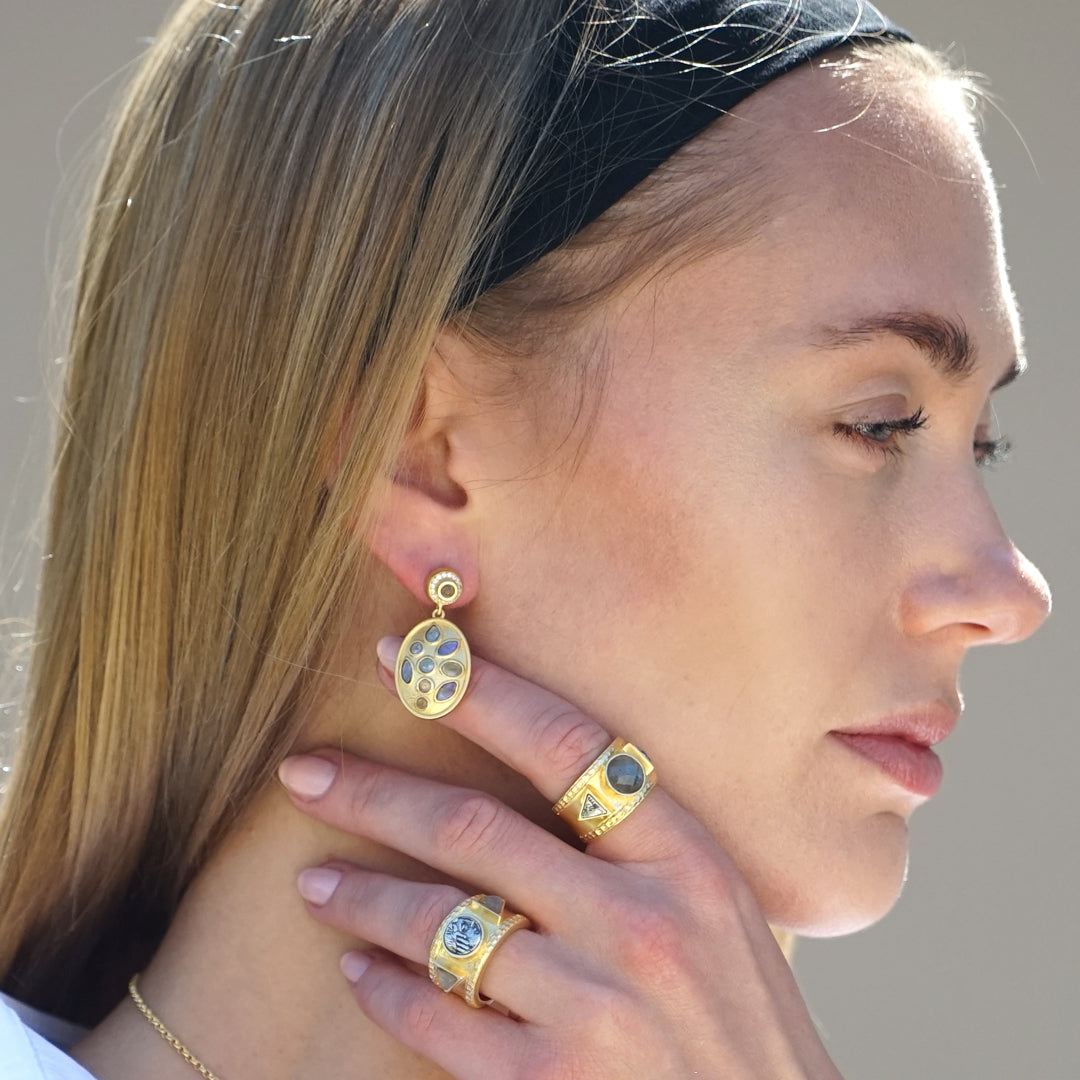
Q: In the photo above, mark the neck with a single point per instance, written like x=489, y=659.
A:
x=245, y=978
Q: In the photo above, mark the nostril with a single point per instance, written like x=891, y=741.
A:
x=1004, y=629
x=1000, y=597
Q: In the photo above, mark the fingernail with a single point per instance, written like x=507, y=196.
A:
x=318, y=884
x=308, y=777
x=354, y=964
x=387, y=648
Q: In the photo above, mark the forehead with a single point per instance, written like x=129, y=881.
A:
x=884, y=202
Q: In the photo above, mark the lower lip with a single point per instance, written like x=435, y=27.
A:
x=914, y=767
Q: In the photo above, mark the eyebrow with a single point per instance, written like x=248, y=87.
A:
x=944, y=342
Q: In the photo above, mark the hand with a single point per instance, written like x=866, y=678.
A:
x=648, y=957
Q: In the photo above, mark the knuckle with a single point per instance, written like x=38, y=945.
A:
x=567, y=739
x=349, y=903
x=698, y=877
x=420, y=1013
x=721, y=891
x=472, y=824
x=431, y=909
x=363, y=794
x=700, y=872
x=652, y=939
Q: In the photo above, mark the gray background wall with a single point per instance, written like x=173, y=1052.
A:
x=976, y=972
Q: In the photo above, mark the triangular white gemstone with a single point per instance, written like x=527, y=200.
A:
x=591, y=808
x=493, y=903
x=447, y=980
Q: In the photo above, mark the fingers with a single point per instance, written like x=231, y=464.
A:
x=415, y=1012
x=535, y=732
x=469, y=835
x=548, y=741
x=526, y=972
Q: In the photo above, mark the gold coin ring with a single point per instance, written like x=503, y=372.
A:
x=465, y=942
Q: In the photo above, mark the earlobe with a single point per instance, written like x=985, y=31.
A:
x=415, y=534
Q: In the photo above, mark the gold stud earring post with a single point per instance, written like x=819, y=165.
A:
x=434, y=661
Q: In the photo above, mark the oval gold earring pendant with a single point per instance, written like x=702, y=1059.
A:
x=433, y=663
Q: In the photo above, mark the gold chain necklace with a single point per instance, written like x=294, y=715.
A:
x=166, y=1034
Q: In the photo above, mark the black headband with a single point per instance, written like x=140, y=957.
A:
x=630, y=81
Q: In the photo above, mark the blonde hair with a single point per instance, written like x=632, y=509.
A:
x=287, y=210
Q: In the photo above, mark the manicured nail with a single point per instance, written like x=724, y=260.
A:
x=308, y=777
x=387, y=648
x=354, y=964
x=318, y=884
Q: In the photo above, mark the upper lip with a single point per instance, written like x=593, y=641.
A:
x=923, y=725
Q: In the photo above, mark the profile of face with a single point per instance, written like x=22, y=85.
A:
x=732, y=570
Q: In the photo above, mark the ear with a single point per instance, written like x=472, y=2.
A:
x=427, y=521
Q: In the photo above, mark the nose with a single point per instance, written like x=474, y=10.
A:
x=974, y=581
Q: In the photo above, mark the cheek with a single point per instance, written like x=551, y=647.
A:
x=725, y=522
x=714, y=590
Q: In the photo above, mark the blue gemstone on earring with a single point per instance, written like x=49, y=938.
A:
x=447, y=647
x=445, y=691
x=427, y=665
x=625, y=774
x=432, y=633
x=406, y=671
x=416, y=648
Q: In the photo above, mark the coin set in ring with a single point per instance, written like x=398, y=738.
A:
x=431, y=675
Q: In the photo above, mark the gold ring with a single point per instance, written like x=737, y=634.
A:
x=609, y=790
x=464, y=943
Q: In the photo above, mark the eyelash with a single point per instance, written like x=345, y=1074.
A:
x=993, y=451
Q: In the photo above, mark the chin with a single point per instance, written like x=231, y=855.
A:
x=844, y=891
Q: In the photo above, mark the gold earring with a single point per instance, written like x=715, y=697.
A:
x=433, y=663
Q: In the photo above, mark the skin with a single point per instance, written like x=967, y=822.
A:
x=721, y=578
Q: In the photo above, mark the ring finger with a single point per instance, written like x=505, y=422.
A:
x=526, y=973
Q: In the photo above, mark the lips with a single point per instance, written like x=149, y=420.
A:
x=899, y=745
x=923, y=725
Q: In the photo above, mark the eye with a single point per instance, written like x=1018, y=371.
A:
x=883, y=437
x=992, y=451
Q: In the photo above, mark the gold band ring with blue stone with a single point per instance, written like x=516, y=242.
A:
x=608, y=791
x=465, y=942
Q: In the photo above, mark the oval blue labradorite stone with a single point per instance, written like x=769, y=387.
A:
x=625, y=774
x=432, y=633
x=446, y=691
x=427, y=665
x=406, y=671
x=447, y=647
x=416, y=648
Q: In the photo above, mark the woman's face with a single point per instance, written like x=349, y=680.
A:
x=725, y=579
